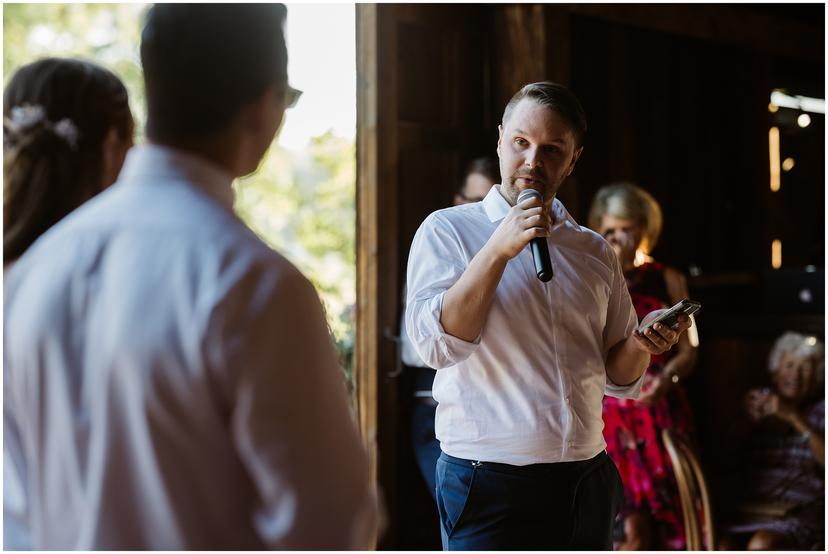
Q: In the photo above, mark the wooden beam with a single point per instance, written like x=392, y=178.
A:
x=520, y=55
x=557, y=45
x=367, y=327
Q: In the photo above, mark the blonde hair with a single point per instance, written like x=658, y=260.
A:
x=802, y=346
x=628, y=201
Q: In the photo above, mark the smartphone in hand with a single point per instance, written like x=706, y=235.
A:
x=670, y=317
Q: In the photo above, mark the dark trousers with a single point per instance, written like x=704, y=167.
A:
x=562, y=506
x=425, y=444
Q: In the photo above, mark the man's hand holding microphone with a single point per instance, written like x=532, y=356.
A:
x=466, y=304
x=528, y=220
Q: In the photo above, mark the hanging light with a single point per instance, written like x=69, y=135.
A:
x=776, y=254
x=802, y=103
x=773, y=152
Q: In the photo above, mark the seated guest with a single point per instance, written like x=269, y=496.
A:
x=784, y=461
x=630, y=219
x=67, y=127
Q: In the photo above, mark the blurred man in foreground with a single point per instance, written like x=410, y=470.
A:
x=170, y=382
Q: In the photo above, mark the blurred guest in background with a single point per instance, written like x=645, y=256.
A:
x=783, y=469
x=169, y=380
x=481, y=175
x=630, y=219
x=67, y=127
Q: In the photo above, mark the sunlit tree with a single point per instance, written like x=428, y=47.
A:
x=301, y=203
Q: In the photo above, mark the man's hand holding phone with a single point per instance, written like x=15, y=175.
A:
x=660, y=329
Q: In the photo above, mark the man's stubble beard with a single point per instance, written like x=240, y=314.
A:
x=510, y=188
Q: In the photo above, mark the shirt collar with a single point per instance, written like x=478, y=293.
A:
x=153, y=161
x=497, y=207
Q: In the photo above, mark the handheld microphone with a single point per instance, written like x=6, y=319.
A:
x=540, y=251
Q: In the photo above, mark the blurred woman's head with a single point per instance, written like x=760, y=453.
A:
x=628, y=217
x=481, y=175
x=67, y=127
x=797, y=366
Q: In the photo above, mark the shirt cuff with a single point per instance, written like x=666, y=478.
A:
x=447, y=349
x=626, y=391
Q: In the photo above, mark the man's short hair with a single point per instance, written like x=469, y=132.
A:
x=555, y=97
x=203, y=62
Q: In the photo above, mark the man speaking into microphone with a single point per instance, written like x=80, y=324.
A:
x=525, y=356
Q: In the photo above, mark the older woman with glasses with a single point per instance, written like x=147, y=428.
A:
x=782, y=473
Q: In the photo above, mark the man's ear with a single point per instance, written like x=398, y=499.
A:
x=499, y=138
x=574, y=161
x=263, y=110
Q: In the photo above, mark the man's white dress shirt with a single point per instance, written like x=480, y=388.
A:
x=529, y=389
x=170, y=382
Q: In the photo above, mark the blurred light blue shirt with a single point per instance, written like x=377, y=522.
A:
x=170, y=382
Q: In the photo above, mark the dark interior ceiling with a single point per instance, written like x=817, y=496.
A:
x=805, y=13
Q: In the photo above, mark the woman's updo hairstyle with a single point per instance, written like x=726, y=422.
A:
x=56, y=116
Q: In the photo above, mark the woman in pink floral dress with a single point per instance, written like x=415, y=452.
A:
x=630, y=219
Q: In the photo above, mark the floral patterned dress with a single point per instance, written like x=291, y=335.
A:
x=632, y=430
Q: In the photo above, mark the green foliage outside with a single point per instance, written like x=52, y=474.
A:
x=304, y=206
x=301, y=203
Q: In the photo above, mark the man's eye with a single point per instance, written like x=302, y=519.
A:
x=550, y=149
x=521, y=142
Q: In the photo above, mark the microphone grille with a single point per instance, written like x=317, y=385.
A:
x=527, y=194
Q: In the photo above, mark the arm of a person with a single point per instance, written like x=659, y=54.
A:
x=435, y=262
x=683, y=362
x=624, y=361
x=816, y=441
x=628, y=359
x=627, y=362
x=449, y=298
x=629, y=355
x=17, y=533
x=466, y=304
x=290, y=419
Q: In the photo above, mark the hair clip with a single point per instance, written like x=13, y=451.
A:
x=23, y=118
x=67, y=130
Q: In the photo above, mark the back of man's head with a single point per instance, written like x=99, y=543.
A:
x=204, y=62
